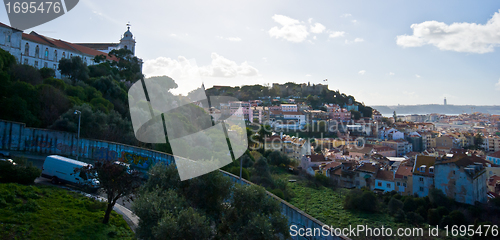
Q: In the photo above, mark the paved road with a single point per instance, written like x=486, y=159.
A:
x=123, y=207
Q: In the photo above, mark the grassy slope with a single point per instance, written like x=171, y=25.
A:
x=326, y=204
x=45, y=212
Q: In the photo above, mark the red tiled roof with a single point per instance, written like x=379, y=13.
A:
x=403, y=171
x=331, y=165
x=35, y=37
x=495, y=154
x=7, y=26
x=367, y=167
x=385, y=175
x=317, y=158
x=383, y=149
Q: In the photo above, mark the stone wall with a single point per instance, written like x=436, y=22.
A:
x=17, y=137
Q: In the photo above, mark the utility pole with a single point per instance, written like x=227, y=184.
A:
x=78, y=141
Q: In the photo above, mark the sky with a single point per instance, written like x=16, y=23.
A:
x=380, y=52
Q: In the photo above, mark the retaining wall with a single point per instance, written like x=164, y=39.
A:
x=17, y=137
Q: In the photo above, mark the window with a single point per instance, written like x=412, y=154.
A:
x=404, y=184
x=27, y=49
x=25, y=61
x=8, y=38
x=405, y=177
x=36, y=64
x=431, y=170
x=46, y=53
x=55, y=66
x=398, y=184
x=125, y=46
x=421, y=179
x=421, y=189
x=83, y=176
x=379, y=184
x=71, y=55
x=37, y=52
x=45, y=65
x=55, y=55
x=388, y=185
x=64, y=55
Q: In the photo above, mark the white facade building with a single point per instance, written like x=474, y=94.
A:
x=41, y=51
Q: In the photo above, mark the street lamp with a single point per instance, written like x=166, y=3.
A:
x=78, y=141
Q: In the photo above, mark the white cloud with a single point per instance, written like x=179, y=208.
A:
x=182, y=68
x=497, y=85
x=173, y=35
x=356, y=40
x=291, y=29
x=223, y=67
x=362, y=72
x=346, y=15
x=317, y=28
x=232, y=39
x=264, y=59
x=314, y=37
x=336, y=34
x=417, y=76
x=308, y=75
x=354, y=21
x=459, y=37
x=391, y=73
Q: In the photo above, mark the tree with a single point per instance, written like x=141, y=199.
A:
x=47, y=72
x=438, y=198
x=115, y=180
x=26, y=73
x=277, y=158
x=478, y=141
x=129, y=66
x=218, y=210
x=75, y=68
x=394, y=206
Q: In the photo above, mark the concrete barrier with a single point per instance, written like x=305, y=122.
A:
x=17, y=137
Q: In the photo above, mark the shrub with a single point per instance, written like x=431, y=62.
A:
x=365, y=201
x=394, y=206
x=324, y=180
x=236, y=171
x=277, y=158
x=400, y=216
x=414, y=218
x=278, y=193
x=433, y=217
x=455, y=217
x=10, y=173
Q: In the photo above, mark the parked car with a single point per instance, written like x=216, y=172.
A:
x=60, y=169
x=8, y=160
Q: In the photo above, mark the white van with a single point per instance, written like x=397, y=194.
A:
x=62, y=170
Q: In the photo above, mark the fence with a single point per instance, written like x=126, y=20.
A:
x=17, y=137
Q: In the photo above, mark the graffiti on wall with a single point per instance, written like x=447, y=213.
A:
x=97, y=153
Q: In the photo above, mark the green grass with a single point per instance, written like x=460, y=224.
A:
x=326, y=204
x=46, y=212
